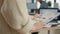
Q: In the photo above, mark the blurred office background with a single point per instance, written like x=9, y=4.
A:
x=32, y=5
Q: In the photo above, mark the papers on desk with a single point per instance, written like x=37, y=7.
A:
x=47, y=18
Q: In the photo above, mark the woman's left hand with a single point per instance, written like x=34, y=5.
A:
x=36, y=16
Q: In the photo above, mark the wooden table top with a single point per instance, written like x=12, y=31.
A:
x=51, y=28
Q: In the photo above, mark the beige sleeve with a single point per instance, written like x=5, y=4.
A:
x=16, y=15
x=1, y=2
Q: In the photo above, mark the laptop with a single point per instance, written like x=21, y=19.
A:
x=49, y=13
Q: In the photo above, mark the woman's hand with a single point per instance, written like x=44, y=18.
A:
x=37, y=27
x=36, y=16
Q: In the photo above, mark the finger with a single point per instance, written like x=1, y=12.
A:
x=38, y=15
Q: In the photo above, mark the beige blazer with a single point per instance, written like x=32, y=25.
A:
x=14, y=18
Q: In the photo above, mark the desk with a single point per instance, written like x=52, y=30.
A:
x=47, y=29
x=50, y=28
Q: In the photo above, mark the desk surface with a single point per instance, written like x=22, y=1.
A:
x=51, y=28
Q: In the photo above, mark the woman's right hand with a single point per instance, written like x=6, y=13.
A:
x=37, y=27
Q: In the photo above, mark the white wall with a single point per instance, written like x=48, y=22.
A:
x=58, y=1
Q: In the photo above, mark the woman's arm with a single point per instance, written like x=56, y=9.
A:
x=1, y=3
x=16, y=15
